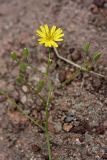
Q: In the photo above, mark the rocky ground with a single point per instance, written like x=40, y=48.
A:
x=77, y=115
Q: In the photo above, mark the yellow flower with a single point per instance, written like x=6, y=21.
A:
x=49, y=37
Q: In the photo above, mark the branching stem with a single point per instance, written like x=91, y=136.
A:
x=76, y=65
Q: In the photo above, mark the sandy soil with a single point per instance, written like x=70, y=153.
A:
x=77, y=116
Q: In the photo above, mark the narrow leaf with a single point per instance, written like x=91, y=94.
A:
x=25, y=52
x=19, y=80
x=96, y=56
x=13, y=56
x=22, y=67
x=86, y=47
x=40, y=86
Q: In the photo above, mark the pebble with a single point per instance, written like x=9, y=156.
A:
x=25, y=89
x=58, y=127
x=23, y=99
x=67, y=127
x=69, y=118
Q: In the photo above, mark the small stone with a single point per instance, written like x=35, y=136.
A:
x=58, y=127
x=23, y=99
x=67, y=127
x=25, y=89
x=69, y=118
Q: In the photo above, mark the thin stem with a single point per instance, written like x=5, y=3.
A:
x=46, y=125
x=76, y=65
x=24, y=113
x=35, y=92
x=46, y=109
x=12, y=101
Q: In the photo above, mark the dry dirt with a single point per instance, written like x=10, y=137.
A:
x=77, y=115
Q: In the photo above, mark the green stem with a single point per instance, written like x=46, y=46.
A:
x=46, y=125
x=46, y=109
x=12, y=101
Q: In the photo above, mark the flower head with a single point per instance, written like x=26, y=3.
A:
x=49, y=37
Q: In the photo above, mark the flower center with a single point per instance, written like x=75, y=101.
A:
x=49, y=37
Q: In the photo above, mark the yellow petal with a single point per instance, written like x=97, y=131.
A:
x=52, y=30
x=43, y=29
x=46, y=29
x=41, y=41
x=39, y=33
x=58, y=31
x=54, y=44
x=46, y=44
x=49, y=44
x=58, y=39
x=58, y=36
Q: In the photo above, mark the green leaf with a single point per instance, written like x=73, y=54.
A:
x=22, y=67
x=13, y=56
x=19, y=80
x=40, y=86
x=96, y=56
x=86, y=47
x=25, y=52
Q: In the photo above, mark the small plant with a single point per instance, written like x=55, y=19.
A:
x=48, y=38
